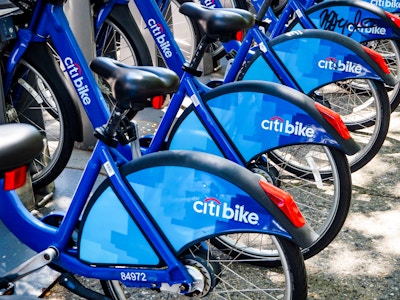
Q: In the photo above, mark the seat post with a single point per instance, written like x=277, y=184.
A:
x=192, y=66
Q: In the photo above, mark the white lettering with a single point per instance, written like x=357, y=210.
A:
x=209, y=3
x=238, y=213
x=367, y=29
x=348, y=66
x=297, y=128
x=160, y=37
x=74, y=73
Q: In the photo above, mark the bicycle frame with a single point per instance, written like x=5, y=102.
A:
x=93, y=102
x=190, y=87
x=49, y=20
x=40, y=236
x=276, y=70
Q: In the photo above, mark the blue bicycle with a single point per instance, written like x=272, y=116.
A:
x=137, y=231
x=307, y=61
x=276, y=132
x=363, y=22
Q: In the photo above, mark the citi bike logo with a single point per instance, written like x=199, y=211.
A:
x=75, y=71
x=158, y=32
x=332, y=63
x=367, y=29
x=386, y=3
x=213, y=207
x=209, y=3
x=277, y=124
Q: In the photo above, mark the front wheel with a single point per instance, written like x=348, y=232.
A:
x=236, y=278
x=38, y=96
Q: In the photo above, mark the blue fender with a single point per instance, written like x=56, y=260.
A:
x=391, y=6
x=257, y=117
x=190, y=197
x=315, y=58
x=360, y=20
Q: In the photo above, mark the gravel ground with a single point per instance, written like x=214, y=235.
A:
x=363, y=262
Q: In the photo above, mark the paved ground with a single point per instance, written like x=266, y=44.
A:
x=362, y=263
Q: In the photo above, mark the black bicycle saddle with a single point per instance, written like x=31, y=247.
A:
x=219, y=21
x=135, y=84
x=19, y=145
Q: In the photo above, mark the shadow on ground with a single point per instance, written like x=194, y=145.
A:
x=363, y=261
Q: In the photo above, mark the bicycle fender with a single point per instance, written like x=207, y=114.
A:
x=189, y=196
x=257, y=117
x=41, y=50
x=360, y=20
x=315, y=58
x=391, y=6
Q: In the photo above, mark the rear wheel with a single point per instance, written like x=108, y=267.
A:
x=235, y=278
x=364, y=107
x=38, y=96
x=119, y=38
x=319, y=180
x=390, y=51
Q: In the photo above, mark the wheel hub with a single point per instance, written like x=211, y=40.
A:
x=203, y=275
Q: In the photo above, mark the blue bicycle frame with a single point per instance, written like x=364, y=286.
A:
x=49, y=20
x=94, y=104
x=147, y=230
x=276, y=69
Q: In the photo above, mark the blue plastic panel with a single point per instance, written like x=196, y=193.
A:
x=359, y=24
x=315, y=62
x=189, y=204
x=110, y=236
x=255, y=122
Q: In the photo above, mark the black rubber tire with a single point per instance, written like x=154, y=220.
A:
x=369, y=132
x=122, y=19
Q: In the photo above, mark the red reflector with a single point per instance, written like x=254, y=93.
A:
x=15, y=178
x=285, y=203
x=334, y=119
x=239, y=35
x=394, y=18
x=376, y=57
x=157, y=102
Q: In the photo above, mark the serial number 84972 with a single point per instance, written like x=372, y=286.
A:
x=133, y=276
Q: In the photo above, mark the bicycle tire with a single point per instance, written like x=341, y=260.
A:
x=325, y=213
x=119, y=38
x=51, y=113
x=239, y=276
x=390, y=51
x=119, y=35
x=351, y=99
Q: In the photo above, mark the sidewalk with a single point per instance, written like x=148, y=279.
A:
x=362, y=263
